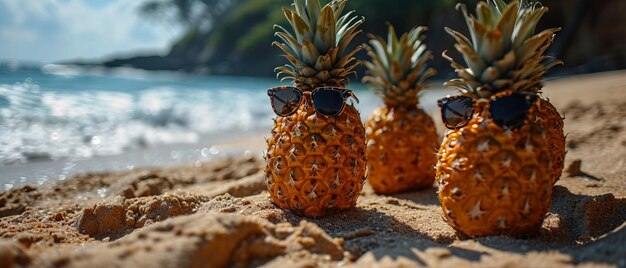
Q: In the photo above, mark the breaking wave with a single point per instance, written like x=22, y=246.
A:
x=36, y=123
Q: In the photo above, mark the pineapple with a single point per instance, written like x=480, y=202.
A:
x=316, y=165
x=401, y=138
x=494, y=181
x=549, y=118
x=506, y=54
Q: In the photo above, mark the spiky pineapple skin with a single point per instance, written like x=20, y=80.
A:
x=315, y=166
x=549, y=118
x=401, y=144
x=502, y=189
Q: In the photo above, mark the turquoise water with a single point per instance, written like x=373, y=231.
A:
x=55, y=111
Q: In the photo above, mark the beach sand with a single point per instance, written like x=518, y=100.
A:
x=219, y=214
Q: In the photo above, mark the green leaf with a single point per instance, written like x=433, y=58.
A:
x=531, y=46
x=309, y=53
x=301, y=10
x=348, y=35
x=286, y=50
x=492, y=47
x=507, y=24
x=344, y=28
x=486, y=15
x=313, y=8
x=473, y=60
x=338, y=6
x=294, y=46
x=392, y=40
x=500, y=5
x=470, y=23
x=301, y=28
x=325, y=34
x=526, y=25
x=478, y=31
x=379, y=45
x=460, y=38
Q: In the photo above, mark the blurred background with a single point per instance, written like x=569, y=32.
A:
x=92, y=85
x=235, y=39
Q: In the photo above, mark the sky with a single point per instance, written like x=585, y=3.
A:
x=50, y=31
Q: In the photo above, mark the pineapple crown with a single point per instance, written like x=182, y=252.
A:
x=317, y=50
x=398, y=67
x=504, y=52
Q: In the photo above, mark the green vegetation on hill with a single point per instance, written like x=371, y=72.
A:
x=234, y=37
x=238, y=40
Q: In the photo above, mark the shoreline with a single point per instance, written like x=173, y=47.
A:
x=210, y=146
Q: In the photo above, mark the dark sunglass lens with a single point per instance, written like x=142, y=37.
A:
x=286, y=101
x=457, y=111
x=328, y=102
x=510, y=111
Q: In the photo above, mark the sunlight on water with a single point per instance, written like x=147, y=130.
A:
x=74, y=116
x=49, y=124
x=63, y=116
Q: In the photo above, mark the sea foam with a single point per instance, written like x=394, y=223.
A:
x=50, y=124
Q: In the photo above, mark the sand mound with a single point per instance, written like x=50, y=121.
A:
x=201, y=240
x=606, y=125
x=588, y=217
x=119, y=217
x=15, y=201
x=39, y=229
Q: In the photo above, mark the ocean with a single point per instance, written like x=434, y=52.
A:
x=57, y=121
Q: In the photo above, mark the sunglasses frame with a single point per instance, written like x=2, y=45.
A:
x=345, y=93
x=444, y=101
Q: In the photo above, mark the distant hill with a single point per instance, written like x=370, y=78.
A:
x=593, y=36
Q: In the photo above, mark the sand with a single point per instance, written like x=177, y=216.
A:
x=219, y=214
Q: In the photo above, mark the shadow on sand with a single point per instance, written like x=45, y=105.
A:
x=581, y=220
x=427, y=197
x=366, y=230
x=585, y=223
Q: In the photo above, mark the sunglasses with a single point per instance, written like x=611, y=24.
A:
x=328, y=101
x=508, y=112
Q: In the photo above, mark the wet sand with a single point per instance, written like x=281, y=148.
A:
x=217, y=213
